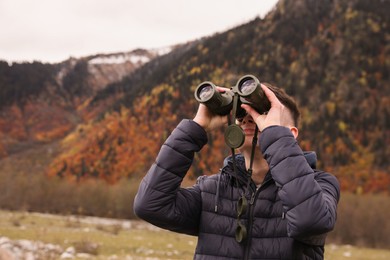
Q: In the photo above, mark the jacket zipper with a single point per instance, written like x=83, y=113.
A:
x=252, y=203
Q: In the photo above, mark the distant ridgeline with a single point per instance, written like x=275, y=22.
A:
x=332, y=56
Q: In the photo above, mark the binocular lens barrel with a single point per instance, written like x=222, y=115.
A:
x=250, y=91
x=248, y=88
x=218, y=102
x=248, y=85
x=206, y=93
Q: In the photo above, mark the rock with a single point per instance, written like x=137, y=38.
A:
x=69, y=253
x=27, y=250
x=5, y=254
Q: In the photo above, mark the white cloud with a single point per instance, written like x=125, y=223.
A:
x=53, y=30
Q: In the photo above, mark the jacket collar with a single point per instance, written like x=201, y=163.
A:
x=242, y=173
x=311, y=158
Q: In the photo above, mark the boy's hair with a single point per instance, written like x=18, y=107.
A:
x=286, y=100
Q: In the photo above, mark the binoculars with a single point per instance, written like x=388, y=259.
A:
x=221, y=103
x=247, y=91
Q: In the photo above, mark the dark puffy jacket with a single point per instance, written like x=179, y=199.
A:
x=288, y=216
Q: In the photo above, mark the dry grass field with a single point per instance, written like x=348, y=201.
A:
x=46, y=236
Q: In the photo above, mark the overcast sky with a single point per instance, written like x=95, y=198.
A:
x=54, y=30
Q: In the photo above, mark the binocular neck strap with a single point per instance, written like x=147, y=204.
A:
x=235, y=166
x=234, y=109
x=230, y=122
x=254, y=143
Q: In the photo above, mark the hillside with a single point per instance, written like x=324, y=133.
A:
x=40, y=103
x=332, y=56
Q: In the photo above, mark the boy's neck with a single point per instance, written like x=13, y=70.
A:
x=259, y=166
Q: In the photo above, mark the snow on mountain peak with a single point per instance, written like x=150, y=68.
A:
x=135, y=57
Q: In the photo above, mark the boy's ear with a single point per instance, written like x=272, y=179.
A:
x=294, y=131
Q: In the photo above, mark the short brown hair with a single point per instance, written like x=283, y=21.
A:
x=286, y=100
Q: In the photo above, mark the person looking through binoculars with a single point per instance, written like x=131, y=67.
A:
x=268, y=201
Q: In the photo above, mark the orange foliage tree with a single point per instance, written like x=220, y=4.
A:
x=121, y=144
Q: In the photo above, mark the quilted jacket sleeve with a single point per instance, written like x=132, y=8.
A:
x=160, y=200
x=309, y=198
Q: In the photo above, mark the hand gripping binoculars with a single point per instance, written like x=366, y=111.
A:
x=221, y=103
x=247, y=91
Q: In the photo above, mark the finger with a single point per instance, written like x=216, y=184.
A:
x=252, y=112
x=222, y=89
x=259, y=119
x=270, y=95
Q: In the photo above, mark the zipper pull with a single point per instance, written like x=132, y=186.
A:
x=253, y=198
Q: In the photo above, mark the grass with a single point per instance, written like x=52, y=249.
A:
x=119, y=239
x=108, y=237
x=355, y=253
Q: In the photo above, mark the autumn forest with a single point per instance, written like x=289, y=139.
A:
x=109, y=121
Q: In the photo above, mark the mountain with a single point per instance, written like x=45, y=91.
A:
x=44, y=102
x=331, y=55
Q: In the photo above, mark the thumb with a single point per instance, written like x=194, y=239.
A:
x=253, y=113
x=257, y=118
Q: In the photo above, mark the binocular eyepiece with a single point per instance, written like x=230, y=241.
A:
x=248, y=89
